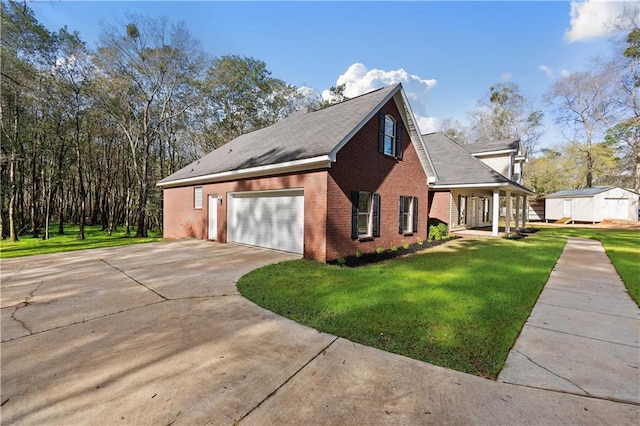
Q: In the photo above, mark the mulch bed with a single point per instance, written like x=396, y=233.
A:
x=375, y=257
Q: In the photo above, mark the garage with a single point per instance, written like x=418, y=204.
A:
x=271, y=219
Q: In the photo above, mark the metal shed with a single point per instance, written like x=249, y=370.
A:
x=592, y=204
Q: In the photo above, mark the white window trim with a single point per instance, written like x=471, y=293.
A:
x=368, y=213
x=197, y=197
x=409, y=213
x=392, y=136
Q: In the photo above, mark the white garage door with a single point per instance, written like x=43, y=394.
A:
x=268, y=219
x=616, y=208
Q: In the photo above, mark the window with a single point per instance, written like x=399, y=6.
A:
x=390, y=136
x=365, y=214
x=462, y=209
x=408, y=215
x=197, y=197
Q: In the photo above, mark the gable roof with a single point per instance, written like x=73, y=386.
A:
x=302, y=141
x=456, y=167
x=581, y=192
x=495, y=146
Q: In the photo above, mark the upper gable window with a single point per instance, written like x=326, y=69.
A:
x=390, y=136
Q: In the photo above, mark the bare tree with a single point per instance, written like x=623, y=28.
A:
x=625, y=134
x=504, y=114
x=148, y=68
x=585, y=104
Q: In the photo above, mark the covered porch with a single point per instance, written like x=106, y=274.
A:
x=496, y=211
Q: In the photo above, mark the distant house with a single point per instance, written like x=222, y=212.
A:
x=474, y=180
x=592, y=204
x=326, y=184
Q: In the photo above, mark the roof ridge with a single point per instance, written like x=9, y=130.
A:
x=356, y=97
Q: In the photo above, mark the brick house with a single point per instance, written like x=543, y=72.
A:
x=475, y=182
x=350, y=177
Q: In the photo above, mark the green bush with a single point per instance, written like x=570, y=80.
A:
x=438, y=232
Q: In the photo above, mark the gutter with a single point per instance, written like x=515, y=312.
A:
x=321, y=162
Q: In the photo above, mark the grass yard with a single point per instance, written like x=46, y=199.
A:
x=622, y=247
x=460, y=305
x=95, y=237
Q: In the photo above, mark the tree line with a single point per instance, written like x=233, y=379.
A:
x=87, y=132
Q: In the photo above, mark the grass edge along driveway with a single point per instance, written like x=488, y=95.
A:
x=460, y=305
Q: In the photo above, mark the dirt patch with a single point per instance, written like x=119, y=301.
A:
x=627, y=224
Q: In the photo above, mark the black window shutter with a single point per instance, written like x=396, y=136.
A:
x=415, y=214
x=400, y=214
x=381, y=133
x=376, y=214
x=399, y=132
x=354, y=214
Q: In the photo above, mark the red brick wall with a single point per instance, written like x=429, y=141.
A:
x=440, y=207
x=360, y=167
x=182, y=220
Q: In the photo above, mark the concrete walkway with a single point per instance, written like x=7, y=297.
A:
x=583, y=335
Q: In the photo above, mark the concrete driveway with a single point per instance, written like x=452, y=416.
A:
x=157, y=334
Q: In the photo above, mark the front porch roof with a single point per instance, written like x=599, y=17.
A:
x=458, y=169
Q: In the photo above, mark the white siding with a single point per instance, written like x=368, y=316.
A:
x=499, y=163
x=553, y=208
x=583, y=209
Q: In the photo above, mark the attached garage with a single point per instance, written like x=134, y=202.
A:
x=271, y=219
x=592, y=204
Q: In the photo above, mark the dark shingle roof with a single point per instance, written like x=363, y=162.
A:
x=455, y=166
x=485, y=147
x=582, y=192
x=297, y=137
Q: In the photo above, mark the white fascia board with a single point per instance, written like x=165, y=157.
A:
x=471, y=185
x=419, y=146
x=486, y=153
x=505, y=185
x=323, y=161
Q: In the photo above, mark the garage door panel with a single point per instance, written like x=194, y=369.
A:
x=273, y=220
x=616, y=208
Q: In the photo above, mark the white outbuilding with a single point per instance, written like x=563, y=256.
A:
x=592, y=204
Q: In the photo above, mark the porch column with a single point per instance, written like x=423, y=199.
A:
x=525, y=211
x=507, y=219
x=495, y=207
x=517, y=212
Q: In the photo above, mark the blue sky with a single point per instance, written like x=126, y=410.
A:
x=446, y=54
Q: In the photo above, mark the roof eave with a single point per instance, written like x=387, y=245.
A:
x=507, y=185
x=307, y=164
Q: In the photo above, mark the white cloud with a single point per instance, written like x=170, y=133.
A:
x=547, y=70
x=427, y=124
x=565, y=73
x=358, y=80
x=506, y=76
x=598, y=18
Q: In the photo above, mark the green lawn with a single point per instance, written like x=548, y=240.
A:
x=95, y=237
x=460, y=305
x=622, y=247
